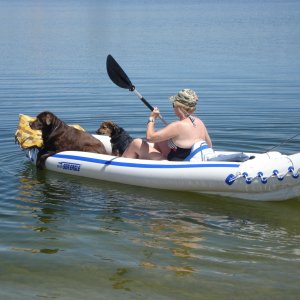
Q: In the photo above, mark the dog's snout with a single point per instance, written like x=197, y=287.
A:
x=100, y=131
x=34, y=125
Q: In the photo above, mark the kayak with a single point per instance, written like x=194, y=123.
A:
x=270, y=176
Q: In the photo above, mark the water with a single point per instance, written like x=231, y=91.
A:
x=64, y=237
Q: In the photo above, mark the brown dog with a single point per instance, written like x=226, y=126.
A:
x=58, y=136
x=119, y=138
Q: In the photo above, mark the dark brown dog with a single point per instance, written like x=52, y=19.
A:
x=58, y=136
x=119, y=138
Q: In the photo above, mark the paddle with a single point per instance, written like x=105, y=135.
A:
x=119, y=77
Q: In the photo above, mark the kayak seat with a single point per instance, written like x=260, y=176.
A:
x=200, y=152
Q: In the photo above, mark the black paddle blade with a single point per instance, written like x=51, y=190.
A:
x=117, y=75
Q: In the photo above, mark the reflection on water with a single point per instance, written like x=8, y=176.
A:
x=39, y=199
x=150, y=219
x=44, y=251
x=119, y=279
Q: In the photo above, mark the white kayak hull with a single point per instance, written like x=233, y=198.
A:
x=267, y=177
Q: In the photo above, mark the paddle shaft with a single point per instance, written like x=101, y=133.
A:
x=148, y=105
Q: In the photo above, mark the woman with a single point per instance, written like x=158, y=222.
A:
x=176, y=140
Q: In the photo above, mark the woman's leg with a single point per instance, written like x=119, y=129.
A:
x=163, y=148
x=141, y=149
x=132, y=150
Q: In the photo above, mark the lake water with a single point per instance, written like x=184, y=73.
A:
x=64, y=237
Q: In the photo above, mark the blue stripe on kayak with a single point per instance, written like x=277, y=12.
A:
x=149, y=166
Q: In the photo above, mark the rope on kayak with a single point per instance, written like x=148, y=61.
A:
x=284, y=142
x=231, y=178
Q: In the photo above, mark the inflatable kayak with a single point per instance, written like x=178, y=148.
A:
x=254, y=176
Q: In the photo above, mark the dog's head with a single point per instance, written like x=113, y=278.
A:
x=107, y=128
x=43, y=120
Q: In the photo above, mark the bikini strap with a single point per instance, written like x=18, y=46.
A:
x=192, y=120
x=171, y=144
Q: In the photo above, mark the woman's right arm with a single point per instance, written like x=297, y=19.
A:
x=168, y=132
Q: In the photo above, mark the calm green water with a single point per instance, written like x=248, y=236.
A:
x=64, y=237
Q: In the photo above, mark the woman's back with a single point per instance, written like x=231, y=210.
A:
x=190, y=131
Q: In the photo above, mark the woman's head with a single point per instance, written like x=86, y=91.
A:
x=185, y=99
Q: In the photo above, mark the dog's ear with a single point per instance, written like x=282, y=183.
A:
x=48, y=119
x=113, y=125
x=110, y=123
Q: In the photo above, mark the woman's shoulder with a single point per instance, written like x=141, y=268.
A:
x=175, y=123
x=197, y=119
